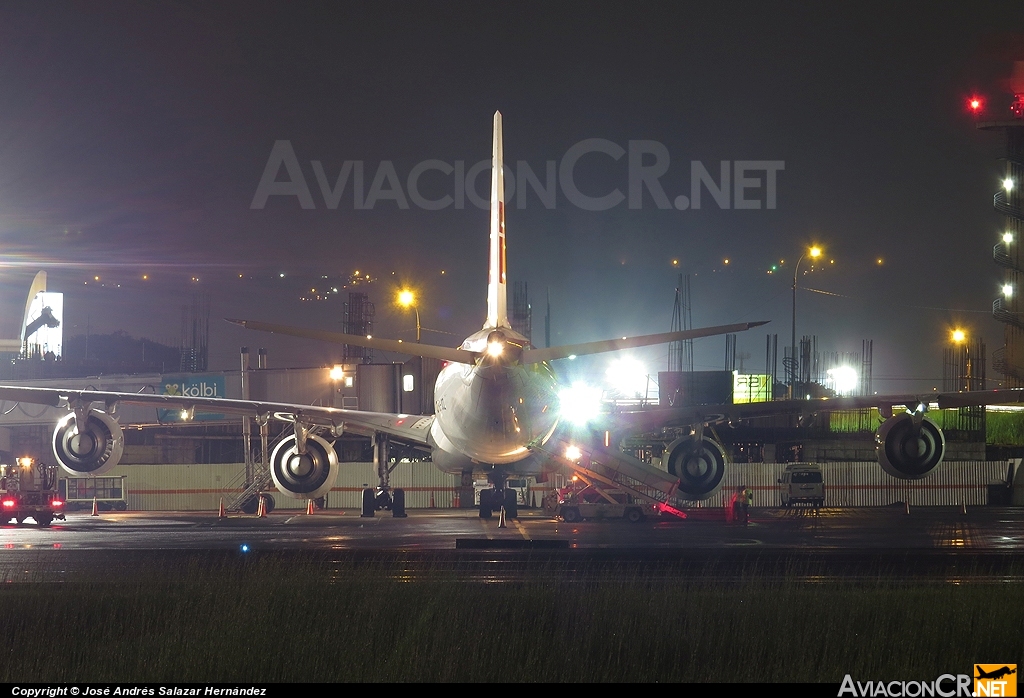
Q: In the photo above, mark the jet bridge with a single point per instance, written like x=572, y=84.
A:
x=616, y=469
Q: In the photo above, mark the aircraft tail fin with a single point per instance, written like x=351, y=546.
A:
x=497, y=314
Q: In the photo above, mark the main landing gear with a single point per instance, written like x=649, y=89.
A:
x=383, y=497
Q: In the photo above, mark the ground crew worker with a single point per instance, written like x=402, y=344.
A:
x=746, y=499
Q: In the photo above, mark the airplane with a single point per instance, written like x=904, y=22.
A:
x=496, y=400
x=996, y=673
x=496, y=405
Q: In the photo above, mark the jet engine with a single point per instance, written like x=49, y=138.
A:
x=906, y=450
x=699, y=464
x=304, y=475
x=89, y=449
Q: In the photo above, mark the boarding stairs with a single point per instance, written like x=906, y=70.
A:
x=617, y=470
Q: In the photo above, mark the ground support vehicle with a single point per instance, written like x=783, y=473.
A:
x=802, y=483
x=28, y=490
x=596, y=502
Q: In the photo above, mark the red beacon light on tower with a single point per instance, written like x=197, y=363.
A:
x=975, y=104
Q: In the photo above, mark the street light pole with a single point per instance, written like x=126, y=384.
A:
x=407, y=299
x=815, y=252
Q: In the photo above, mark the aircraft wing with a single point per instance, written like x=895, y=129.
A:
x=410, y=428
x=652, y=418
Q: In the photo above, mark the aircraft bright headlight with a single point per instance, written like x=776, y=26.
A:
x=495, y=348
x=579, y=403
x=573, y=453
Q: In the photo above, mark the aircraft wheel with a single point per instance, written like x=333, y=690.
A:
x=398, y=504
x=511, y=504
x=251, y=505
x=121, y=506
x=44, y=520
x=19, y=519
x=485, y=504
x=571, y=514
x=369, y=503
x=634, y=516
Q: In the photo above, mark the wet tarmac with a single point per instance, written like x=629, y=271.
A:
x=985, y=544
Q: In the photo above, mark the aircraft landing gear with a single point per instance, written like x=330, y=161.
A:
x=383, y=499
x=499, y=496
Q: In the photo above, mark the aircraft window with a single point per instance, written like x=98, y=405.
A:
x=806, y=477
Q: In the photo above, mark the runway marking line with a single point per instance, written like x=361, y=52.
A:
x=522, y=530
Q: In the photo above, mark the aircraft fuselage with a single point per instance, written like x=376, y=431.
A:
x=488, y=414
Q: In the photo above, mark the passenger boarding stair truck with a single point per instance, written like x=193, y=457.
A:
x=609, y=469
x=28, y=489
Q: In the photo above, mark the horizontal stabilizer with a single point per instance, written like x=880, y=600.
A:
x=411, y=348
x=531, y=356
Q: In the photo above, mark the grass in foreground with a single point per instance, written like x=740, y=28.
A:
x=271, y=621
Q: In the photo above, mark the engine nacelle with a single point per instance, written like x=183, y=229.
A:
x=699, y=464
x=92, y=449
x=907, y=452
x=306, y=476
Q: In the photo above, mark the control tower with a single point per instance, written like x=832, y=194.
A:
x=1008, y=308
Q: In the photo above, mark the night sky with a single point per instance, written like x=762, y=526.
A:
x=133, y=139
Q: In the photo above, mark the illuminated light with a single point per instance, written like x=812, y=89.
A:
x=9, y=503
x=145, y=277
x=1007, y=237
x=337, y=373
x=244, y=547
x=844, y=379
x=579, y=403
x=974, y=104
x=572, y=357
x=1008, y=184
x=831, y=261
x=815, y=252
x=185, y=415
x=1008, y=290
x=442, y=272
x=879, y=260
x=495, y=348
x=406, y=298
x=357, y=273
x=56, y=503
x=25, y=462
x=573, y=453
x=369, y=336
x=958, y=335
x=675, y=262
x=95, y=278
x=628, y=377
x=726, y=261
x=281, y=275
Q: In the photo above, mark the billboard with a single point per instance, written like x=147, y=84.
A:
x=43, y=333
x=750, y=387
x=192, y=385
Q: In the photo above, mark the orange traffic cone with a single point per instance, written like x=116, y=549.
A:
x=456, y=504
x=432, y=505
x=95, y=507
x=309, y=507
x=220, y=511
x=261, y=508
